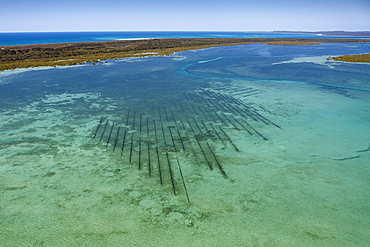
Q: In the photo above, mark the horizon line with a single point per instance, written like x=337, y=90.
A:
x=241, y=31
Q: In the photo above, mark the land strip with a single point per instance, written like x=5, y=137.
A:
x=60, y=54
x=359, y=58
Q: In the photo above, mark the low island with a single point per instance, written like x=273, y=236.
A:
x=61, y=54
x=358, y=58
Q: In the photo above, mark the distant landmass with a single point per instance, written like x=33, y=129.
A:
x=329, y=33
x=71, y=53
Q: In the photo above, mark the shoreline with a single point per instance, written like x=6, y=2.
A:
x=72, y=53
x=134, y=39
x=358, y=58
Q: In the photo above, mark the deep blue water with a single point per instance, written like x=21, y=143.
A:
x=62, y=37
x=256, y=62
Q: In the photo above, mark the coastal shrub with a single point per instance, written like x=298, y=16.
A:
x=77, y=53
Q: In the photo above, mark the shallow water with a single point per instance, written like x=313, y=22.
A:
x=273, y=143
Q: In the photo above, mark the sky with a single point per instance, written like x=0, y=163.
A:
x=184, y=15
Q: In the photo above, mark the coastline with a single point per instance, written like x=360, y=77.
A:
x=330, y=33
x=358, y=58
x=73, y=53
x=135, y=39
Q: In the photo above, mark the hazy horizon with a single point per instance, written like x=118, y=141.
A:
x=245, y=31
x=165, y=15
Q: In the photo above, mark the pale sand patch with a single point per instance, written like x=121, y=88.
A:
x=211, y=60
x=179, y=58
x=146, y=53
x=136, y=39
x=321, y=60
x=6, y=73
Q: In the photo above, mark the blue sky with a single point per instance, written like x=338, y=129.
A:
x=160, y=15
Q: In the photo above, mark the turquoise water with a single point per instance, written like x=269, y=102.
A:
x=63, y=37
x=271, y=144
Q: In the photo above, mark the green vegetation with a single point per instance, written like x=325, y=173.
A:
x=361, y=58
x=28, y=56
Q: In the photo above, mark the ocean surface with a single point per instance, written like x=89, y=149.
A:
x=250, y=145
x=19, y=38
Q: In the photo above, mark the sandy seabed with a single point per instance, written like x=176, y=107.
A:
x=307, y=185
x=301, y=182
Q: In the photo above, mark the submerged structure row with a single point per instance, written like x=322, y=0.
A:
x=150, y=137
